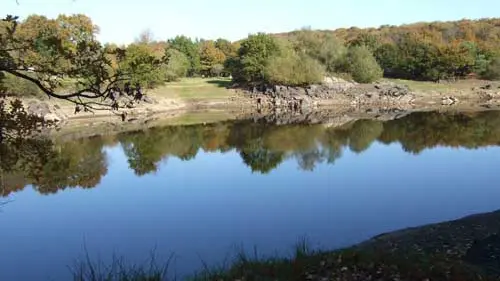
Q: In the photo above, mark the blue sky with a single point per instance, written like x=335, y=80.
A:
x=121, y=21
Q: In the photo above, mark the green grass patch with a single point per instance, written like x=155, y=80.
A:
x=422, y=85
x=195, y=89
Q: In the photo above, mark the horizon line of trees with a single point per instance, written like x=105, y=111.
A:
x=424, y=51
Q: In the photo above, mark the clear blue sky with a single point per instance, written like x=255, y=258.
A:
x=121, y=21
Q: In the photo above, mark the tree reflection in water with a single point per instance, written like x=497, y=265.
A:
x=50, y=167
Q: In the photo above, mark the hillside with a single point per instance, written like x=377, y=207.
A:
x=484, y=32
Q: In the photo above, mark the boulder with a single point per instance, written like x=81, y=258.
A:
x=448, y=100
x=52, y=117
x=38, y=108
x=148, y=99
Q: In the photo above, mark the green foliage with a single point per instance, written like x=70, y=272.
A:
x=177, y=65
x=326, y=48
x=366, y=39
x=290, y=68
x=190, y=49
x=229, y=49
x=13, y=86
x=145, y=68
x=253, y=58
x=492, y=71
x=362, y=65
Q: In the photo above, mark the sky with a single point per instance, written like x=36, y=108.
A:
x=121, y=21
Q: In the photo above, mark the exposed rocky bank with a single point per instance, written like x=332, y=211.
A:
x=383, y=95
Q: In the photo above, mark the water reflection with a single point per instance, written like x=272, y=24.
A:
x=262, y=147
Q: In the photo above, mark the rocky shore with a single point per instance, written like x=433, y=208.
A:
x=335, y=99
x=384, y=95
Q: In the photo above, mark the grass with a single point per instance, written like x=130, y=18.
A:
x=453, y=251
x=426, y=86
x=195, y=89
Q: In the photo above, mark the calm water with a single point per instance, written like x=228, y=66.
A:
x=201, y=191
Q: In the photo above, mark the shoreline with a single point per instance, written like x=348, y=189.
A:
x=339, y=100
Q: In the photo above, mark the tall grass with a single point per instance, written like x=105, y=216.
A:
x=120, y=270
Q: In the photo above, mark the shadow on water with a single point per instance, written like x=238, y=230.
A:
x=51, y=167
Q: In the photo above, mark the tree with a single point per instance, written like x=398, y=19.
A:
x=147, y=70
x=189, y=48
x=46, y=52
x=326, y=48
x=492, y=71
x=292, y=69
x=229, y=49
x=177, y=65
x=362, y=65
x=210, y=56
x=366, y=39
x=253, y=57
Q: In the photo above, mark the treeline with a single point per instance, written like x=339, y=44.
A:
x=262, y=147
x=431, y=50
x=424, y=51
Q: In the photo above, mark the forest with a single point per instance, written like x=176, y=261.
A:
x=43, y=55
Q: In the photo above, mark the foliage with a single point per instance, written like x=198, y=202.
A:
x=11, y=85
x=190, y=49
x=177, y=65
x=326, y=48
x=217, y=69
x=253, y=57
x=290, y=68
x=147, y=70
x=492, y=70
x=229, y=49
x=51, y=52
x=210, y=56
x=362, y=65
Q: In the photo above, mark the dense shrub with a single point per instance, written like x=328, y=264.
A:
x=294, y=69
x=362, y=65
x=177, y=65
x=492, y=71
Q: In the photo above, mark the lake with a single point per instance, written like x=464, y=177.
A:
x=202, y=192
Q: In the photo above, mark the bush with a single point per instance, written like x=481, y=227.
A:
x=292, y=69
x=362, y=65
x=177, y=65
x=326, y=48
x=492, y=71
x=216, y=70
x=13, y=86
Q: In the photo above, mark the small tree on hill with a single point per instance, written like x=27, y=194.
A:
x=362, y=65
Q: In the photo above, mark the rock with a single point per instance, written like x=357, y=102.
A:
x=52, y=117
x=486, y=87
x=448, y=100
x=392, y=90
x=38, y=108
x=148, y=99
